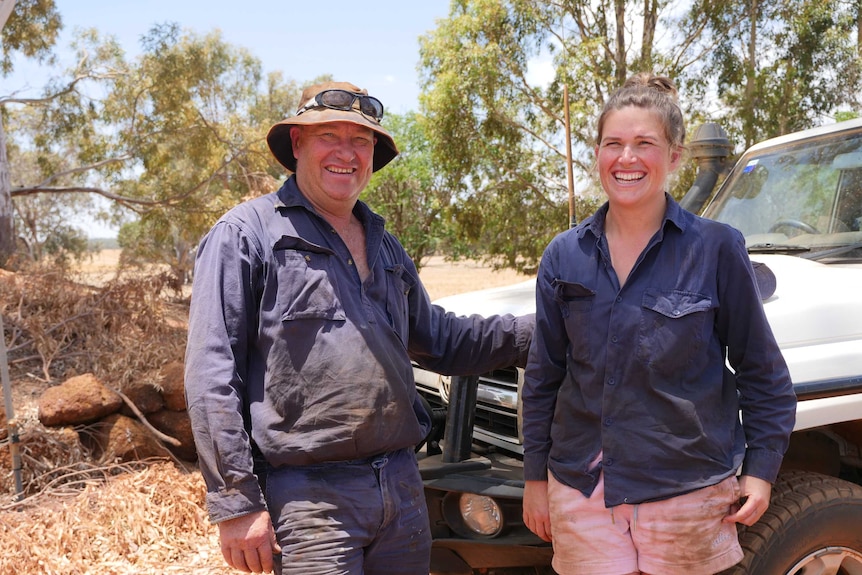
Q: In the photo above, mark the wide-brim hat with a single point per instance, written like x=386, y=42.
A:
x=280, y=143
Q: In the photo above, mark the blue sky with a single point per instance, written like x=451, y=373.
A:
x=371, y=44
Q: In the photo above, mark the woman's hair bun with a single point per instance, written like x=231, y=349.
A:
x=646, y=80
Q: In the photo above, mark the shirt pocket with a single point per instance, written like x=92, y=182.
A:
x=305, y=287
x=672, y=329
x=575, y=301
x=398, y=287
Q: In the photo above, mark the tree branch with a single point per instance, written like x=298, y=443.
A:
x=39, y=189
x=161, y=436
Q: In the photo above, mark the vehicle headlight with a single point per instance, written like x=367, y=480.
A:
x=444, y=386
x=481, y=514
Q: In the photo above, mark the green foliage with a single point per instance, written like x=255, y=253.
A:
x=497, y=132
x=32, y=30
x=498, y=136
x=183, y=114
x=175, y=137
x=410, y=193
x=782, y=65
x=43, y=231
x=843, y=116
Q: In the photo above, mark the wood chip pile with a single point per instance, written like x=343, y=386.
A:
x=143, y=519
x=80, y=516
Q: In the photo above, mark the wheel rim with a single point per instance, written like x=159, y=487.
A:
x=829, y=561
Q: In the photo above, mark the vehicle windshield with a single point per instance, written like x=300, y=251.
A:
x=803, y=198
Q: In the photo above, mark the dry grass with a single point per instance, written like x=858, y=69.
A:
x=144, y=519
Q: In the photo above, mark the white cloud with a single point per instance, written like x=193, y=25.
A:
x=540, y=71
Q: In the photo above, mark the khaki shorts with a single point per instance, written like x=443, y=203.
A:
x=682, y=535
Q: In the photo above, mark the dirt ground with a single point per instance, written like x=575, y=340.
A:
x=146, y=519
x=441, y=278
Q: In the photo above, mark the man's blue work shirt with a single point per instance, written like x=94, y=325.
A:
x=288, y=347
x=638, y=372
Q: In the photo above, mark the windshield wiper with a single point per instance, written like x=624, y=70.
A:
x=833, y=252
x=777, y=249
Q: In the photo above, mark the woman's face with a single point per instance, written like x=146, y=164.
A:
x=634, y=156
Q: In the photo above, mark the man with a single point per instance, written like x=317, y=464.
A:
x=304, y=319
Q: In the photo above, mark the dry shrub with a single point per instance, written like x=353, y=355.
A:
x=57, y=328
x=150, y=519
x=51, y=459
x=79, y=516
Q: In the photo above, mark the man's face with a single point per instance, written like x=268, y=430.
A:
x=334, y=162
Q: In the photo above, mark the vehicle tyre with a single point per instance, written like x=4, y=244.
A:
x=813, y=527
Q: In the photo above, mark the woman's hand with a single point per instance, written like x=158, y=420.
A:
x=537, y=516
x=754, y=498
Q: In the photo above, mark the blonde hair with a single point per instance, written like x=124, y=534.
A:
x=650, y=92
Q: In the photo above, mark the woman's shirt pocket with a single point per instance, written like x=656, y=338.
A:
x=575, y=301
x=673, y=329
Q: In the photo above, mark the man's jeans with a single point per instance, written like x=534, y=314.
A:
x=364, y=517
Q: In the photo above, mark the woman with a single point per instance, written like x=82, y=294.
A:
x=632, y=436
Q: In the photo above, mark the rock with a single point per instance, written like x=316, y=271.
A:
x=81, y=399
x=176, y=424
x=146, y=397
x=124, y=439
x=173, y=387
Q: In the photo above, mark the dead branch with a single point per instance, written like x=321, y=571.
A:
x=159, y=435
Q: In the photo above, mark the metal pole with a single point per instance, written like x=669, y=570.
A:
x=573, y=219
x=458, y=436
x=10, y=414
x=6, y=7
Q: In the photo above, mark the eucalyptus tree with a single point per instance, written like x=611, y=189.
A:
x=496, y=124
x=28, y=28
x=497, y=131
x=192, y=116
x=43, y=228
x=782, y=65
x=411, y=193
x=172, y=138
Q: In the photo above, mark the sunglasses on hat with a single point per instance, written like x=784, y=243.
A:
x=344, y=100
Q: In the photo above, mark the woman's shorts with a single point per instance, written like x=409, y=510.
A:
x=682, y=535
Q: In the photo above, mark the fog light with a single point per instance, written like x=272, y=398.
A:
x=481, y=514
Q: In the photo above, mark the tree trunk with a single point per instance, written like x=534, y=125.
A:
x=651, y=9
x=6, y=7
x=858, y=30
x=7, y=237
x=751, y=76
x=621, y=67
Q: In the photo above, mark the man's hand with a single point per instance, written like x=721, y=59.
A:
x=537, y=516
x=755, y=493
x=248, y=542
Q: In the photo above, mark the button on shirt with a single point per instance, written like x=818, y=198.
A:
x=638, y=373
x=289, y=348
